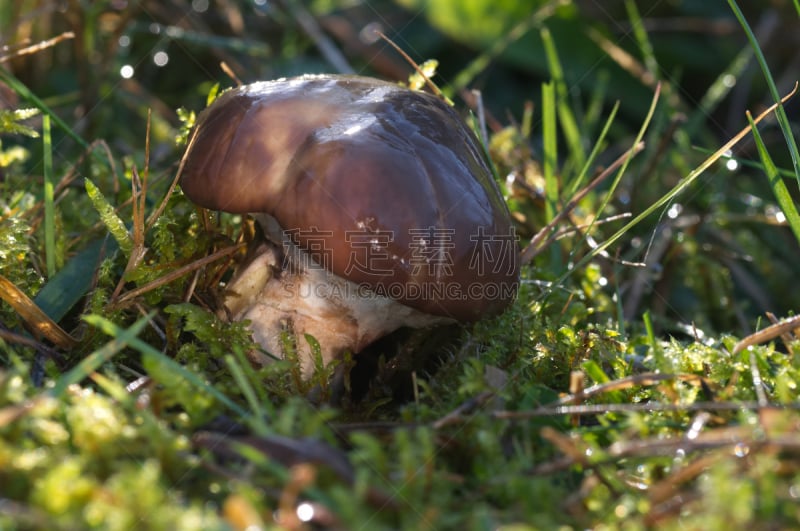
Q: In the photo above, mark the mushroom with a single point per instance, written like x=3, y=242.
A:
x=378, y=209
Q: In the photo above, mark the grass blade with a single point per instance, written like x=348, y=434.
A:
x=145, y=349
x=49, y=206
x=780, y=113
x=249, y=394
x=96, y=359
x=569, y=124
x=601, y=247
x=718, y=90
x=776, y=182
x=677, y=189
x=20, y=88
x=598, y=146
x=550, y=162
x=642, y=39
x=550, y=158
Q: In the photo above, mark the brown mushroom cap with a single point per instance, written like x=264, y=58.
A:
x=362, y=172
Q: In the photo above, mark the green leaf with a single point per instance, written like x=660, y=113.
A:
x=73, y=280
x=316, y=353
x=212, y=94
x=416, y=81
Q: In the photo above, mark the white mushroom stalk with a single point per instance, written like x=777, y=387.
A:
x=283, y=289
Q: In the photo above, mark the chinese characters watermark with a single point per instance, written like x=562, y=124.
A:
x=428, y=254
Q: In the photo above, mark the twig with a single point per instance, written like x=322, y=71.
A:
x=770, y=332
x=576, y=454
x=786, y=337
x=230, y=73
x=10, y=337
x=33, y=315
x=38, y=47
x=173, y=275
x=456, y=416
x=138, y=199
x=416, y=67
x=599, y=409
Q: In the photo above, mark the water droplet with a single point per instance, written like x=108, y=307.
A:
x=161, y=58
x=305, y=512
x=741, y=450
x=674, y=211
x=729, y=80
x=370, y=33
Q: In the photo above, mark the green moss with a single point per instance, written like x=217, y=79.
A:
x=64, y=490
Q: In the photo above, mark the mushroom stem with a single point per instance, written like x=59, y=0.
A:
x=282, y=289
